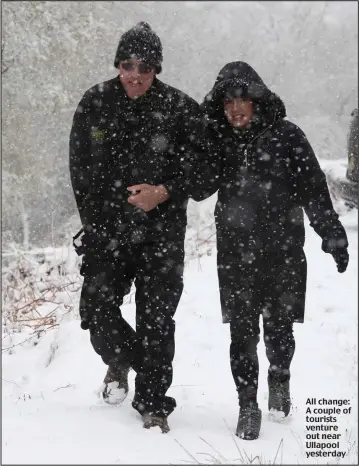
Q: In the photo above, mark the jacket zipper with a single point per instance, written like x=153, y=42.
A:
x=254, y=139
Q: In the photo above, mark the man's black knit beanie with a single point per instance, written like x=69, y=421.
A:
x=142, y=43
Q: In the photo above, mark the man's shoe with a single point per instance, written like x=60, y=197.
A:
x=150, y=420
x=115, y=387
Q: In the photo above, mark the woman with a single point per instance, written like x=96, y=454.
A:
x=265, y=172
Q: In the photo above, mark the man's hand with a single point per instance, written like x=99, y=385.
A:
x=147, y=196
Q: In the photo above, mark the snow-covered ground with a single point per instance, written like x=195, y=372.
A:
x=52, y=413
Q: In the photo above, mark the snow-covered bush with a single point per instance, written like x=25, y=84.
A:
x=36, y=288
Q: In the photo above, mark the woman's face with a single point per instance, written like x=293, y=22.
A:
x=239, y=112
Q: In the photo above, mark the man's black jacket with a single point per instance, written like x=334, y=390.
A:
x=117, y=142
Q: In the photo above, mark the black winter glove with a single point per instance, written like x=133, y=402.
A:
x=341, y=257
x=338, y=248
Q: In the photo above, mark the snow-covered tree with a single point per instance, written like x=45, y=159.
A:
x=53, y=51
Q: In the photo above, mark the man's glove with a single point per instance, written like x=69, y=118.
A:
x=338, y=248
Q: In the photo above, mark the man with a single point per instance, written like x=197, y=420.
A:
x=266, y=173
x=129, y=153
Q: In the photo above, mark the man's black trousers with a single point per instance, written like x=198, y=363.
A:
x=156, y=269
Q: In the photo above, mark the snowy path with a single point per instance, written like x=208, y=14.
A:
x=44, y=423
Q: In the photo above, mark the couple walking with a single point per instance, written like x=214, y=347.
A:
x=139, y=150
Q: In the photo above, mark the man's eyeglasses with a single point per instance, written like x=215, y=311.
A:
x=142, y=67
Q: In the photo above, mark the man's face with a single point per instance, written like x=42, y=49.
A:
x=239, y=112
x=136, y=77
